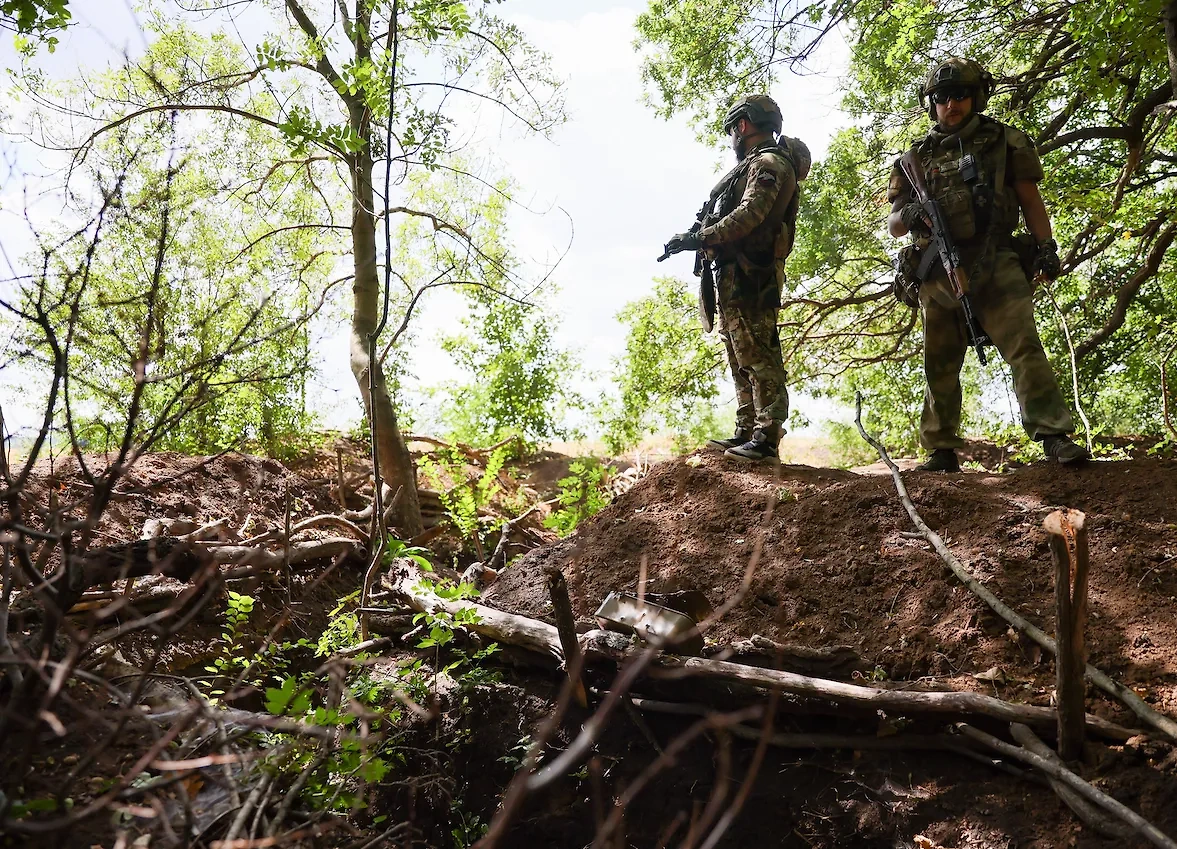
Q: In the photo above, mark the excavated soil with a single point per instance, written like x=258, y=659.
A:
x=832, y=567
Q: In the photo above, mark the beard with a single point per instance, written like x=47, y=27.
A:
x=738, y=146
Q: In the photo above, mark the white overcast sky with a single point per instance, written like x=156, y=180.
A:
x=627, y=179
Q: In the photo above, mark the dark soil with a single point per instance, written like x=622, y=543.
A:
x=832, y=569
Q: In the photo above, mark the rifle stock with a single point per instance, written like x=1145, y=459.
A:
x=958, y=277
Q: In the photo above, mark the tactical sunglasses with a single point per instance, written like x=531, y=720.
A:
x=957, y=93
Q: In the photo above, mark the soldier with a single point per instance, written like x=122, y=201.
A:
x=744, y=233
x=985, y=175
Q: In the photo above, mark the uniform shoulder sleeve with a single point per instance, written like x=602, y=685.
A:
x=1024, y=163
x=769, y=176
x=770, y=168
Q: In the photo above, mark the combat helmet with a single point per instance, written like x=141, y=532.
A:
x=760, y=109
x=955, y=71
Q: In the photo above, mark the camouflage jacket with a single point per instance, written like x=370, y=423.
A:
x=980, y=199
x=751, y=212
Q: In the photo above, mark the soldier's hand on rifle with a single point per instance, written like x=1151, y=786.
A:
x=683, y=242
x=915, y=219
x=1047, y=263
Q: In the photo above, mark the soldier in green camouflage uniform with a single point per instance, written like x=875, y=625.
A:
x=746, y=232
x=982, y=200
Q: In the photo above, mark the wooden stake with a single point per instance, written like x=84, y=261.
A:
x=566, y=629
x=1068, y=548
x=342, y=493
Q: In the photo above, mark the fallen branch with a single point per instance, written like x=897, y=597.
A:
x=406, y=582
x=1084, y=810
x=827, y=661
x=541, y=637
x=234, y=720
x=1139, y=824
x=299, y=552
x=477, y=455
x=897, y=701
x=1134, y=703
x=276, y=535
x=498, y=559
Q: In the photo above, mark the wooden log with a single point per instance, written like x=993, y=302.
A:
x=300, y=552
x=896, y=701
x=824, y=661
x=1068, y=548
x=405, y=581
x=1165, y=724
x=168, y=556
x=1084, y=810
x=566, y=630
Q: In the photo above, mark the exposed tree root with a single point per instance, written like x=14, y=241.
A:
x=1059, y=772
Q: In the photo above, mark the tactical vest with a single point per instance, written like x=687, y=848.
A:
x=769, y=244
x=966, y=173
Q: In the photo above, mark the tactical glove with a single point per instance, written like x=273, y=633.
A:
x=914, y=218
x=1047, y=263
x=684, y=242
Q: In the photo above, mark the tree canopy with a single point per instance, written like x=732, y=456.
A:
x=351, y=110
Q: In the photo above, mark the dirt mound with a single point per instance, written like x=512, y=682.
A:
x=251, y=492
x=834, y=568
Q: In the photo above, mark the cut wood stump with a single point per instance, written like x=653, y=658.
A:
x=1068, y=547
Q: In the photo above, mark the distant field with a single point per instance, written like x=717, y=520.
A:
x=798, y=450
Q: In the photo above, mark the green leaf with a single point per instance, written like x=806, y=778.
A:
x=19, y=810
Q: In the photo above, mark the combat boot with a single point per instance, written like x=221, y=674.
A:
x=761, y=446
x=1064, y=450
x=942, y=460
x=742, y=436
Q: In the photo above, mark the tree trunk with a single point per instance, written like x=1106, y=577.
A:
x=1171, y=41
x=396, y=465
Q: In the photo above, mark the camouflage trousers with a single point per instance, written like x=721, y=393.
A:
x=1002, y=300
x=747, y=325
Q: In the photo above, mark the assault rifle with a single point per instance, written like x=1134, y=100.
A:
x=958, y=277
x=703, y=271
x=667, y=252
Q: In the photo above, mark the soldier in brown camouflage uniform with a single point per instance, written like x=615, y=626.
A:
x=746, y=232
x=982, y=199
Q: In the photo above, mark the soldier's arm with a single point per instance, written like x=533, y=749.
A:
x=899, y=193
x=1034, y=210
x=767, y=177
x=1025, y=172
x=895, y=225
